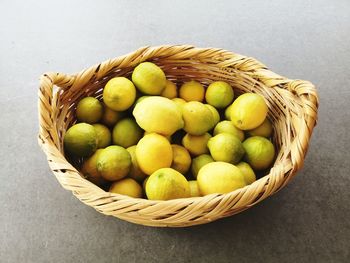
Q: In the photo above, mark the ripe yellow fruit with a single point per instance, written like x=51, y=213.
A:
x=149, y=78
x=264, y=130
x=199, y=162
x=181, y=159
x=228, y=113
x=215, y=113
x=126, y=133
x=166, y=184
x=111, y=117
x=89, y=169
x=135, y=171
x=228, y=127
x=196, y=145
x=197, y=117
x=153, y=152
x=80, y=140
x=259, y=152
x=119, y=94
x=127, y=187
x=158, y=114
x=170, y=90
x=89, y=110
x=220, y=178
x=179, y=102
x=219, y=94
x=103, y=134
x=248, y=111
x=168, y=137
x=192, y=91
x=194, y=190
x=247, y=171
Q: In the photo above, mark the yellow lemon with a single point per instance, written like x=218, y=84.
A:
x=153, y=152
x=80, y=140
x=228, y=112
x=170, y=90
x=126, y=133
x=247, y=171
x=197, y=117
x=149, y=78
x=113, y=163
x=219, y=94
x=226, y=147
x=158, y=114
x=135, y=171
x=179, y=102
x=119, y=94
x=89, y=110
x=199, y=162
x=127, y=187
x=196, y=145
x=194, y=190
x=168, y=137
x=259, y=152
x=192, y=91
x=103, y=134
x=248, y=111
x=215, y=113
x=89, y=169
x=181, y=159
x=264, y=130
x=166, y=184
x=220, y=178
x=228, y=127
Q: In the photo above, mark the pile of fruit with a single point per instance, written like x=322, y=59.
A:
x=147, y=137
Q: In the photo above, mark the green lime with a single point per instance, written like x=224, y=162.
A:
x=264, y=130
x=89, y=169
x=89, y=110
x=215, y=113
x=103, y=134
x=149, y=78
x=247, y=171
x=111, y=117
x=80, y=140
x=199, y=162
x=219, y=94
x=260, y=152
x=126, y=133
x=228, y=127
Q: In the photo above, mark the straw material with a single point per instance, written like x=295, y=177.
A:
x=292, y=107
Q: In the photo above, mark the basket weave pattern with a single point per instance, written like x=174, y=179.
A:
x=292, y=107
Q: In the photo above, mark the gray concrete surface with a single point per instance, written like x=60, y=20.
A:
x=308, y=221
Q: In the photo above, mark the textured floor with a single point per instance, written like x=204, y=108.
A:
x=308, y=221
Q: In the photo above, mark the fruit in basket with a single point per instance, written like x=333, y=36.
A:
x=153, y=152
x=199, y=162
x=220, y=178
x=196, y=145
x=126, y=186
x=126, y=133
x=119, y=93
x=89, y=169
x=89, y=110
x=264, y=129
x=216, y=115
x=219, y=94
x=114, y=163
x=179, y=102
x=103, y=134
x=197, y=117
x=247, y=171
x=181, y=159
x=194, y=190
x=110, y=117
x=158, y=114
x=80, y=140
x=135, y=171
x=248, y=111
x=149, y=78
x=192, y=91
x=260, y=152
x=228, y=112
x=170, y=90
x=166, y=184
x=228, y=127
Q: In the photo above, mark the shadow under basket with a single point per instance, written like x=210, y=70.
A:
x=292, y=104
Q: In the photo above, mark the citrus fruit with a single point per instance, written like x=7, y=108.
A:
x=158, y=114
x=199, y=162
x=126, y=133
x=103, y=135
x=80, y=140
x=166, y=184
x=228, y=112
x=220, y=178
x=170, y=90
x=259, y=152
x=194, y=190
x=248, y=111
x=179, y=102
x=226, y=147
x=192, y=91
x=119, y=94
x=215, y=113
x=181, y=159
x=89, y=110
x=110, y=117
x=168, y=137
x=113, y=163
x=197, y=117
x=89, y=169
x=153, y=152
x=228, y=127
x=149, y=78
x=264, y=129
x=144, y=184
x=219, y=94
x=135, y=171
x=126, y=186
x=247, y=171
x=196, y=145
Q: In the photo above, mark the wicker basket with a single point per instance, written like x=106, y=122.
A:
x=292, y=107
